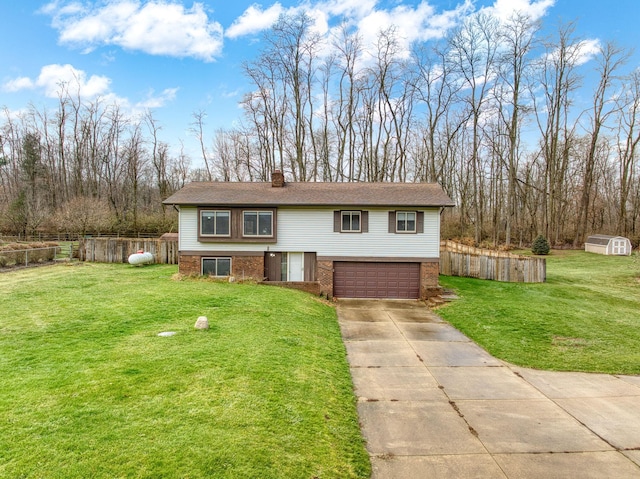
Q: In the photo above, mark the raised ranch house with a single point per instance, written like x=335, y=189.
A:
x=356, y=240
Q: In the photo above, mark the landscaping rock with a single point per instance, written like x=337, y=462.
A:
x=167, y=333
x=202, y=323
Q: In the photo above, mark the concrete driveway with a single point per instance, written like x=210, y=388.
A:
x=433, y=404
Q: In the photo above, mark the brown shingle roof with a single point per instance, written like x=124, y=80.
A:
x=311, y=194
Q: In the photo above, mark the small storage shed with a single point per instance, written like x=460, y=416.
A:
x=605, y=244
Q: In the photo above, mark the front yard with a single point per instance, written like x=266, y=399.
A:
x=89, y=389
x=586, y=317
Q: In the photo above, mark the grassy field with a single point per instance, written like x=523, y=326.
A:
x=586, y=317
x=89, y=389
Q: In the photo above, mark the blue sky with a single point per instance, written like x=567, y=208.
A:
x=177, y=57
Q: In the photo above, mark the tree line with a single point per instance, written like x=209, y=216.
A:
x=499, y=114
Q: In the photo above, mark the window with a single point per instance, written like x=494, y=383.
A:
x=216, y=266
x=405, y=222
x=258, y=223
x=214, y=223
x=350, y=221
x=237, y=225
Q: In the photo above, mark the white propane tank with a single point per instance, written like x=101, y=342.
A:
x=140, y=258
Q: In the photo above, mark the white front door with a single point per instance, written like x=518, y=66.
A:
x=296, y=267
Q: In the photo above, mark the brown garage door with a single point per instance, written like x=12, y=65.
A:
x=376, y=280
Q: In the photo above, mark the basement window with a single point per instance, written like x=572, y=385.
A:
x=216, y=266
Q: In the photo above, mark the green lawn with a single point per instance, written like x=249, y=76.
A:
x=586, y=317
x=88, y=389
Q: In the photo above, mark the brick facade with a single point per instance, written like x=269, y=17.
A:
x=252, y=267
x=247, y=267
x=324, y=273
x=429, y=280
x=189, y=265
x=242, y=267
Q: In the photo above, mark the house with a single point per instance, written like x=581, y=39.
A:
x=604, y=244
x=358, y=240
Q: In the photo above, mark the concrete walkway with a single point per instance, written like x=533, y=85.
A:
x=433, y=404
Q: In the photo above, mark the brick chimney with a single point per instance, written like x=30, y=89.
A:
x=277, y=179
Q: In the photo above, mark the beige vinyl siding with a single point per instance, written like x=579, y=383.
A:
x=188, y=228
x=311, y=230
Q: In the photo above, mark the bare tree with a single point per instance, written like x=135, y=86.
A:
x=628, y=138
x=349, y=48
x=610, y=59
x=436, y=91
x=159, y=158
x=473, y=53
x=517, y=37
x=197, y=127
x=557, y=80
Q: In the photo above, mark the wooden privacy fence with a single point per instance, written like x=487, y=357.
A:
x=117, y=250
x=461, y=260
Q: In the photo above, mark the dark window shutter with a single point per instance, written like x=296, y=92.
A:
x=392, y=221
x=420, y=222
x=364, y=221
x=237, y=223
x=309, y=266
x=337, y=221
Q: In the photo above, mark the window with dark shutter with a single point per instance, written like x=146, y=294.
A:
x=406, y=222
x=350, y=221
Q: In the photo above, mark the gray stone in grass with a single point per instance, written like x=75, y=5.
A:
x=167, y=333
x=202, y=323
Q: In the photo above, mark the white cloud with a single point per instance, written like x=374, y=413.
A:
x=17, y=84
x=158, y=101
x=254, y=20
x=53, y=79
x=503, y=9
x=319, y=21
x=579, y=53
x=156, y=27
x=587, y=50
x=56, y=80
x=349, y=8
x=419, y=23
x=53, y=76
x=232, y=94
